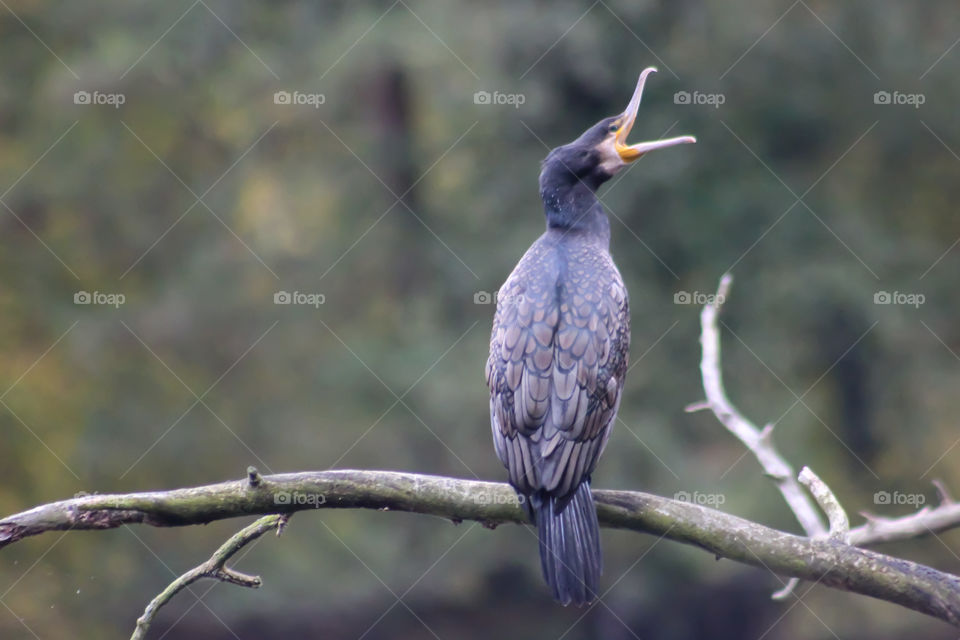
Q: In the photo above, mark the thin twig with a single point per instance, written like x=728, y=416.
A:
x=787, y=589
x=943, y=495
x=214, y=568
x=839, y=523
x=759, y=442
x=922, y=522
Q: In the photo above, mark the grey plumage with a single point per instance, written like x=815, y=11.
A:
x=558, y=357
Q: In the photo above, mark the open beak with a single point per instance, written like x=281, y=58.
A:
x=629, y=153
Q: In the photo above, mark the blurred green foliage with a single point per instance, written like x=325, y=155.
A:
x=399, y=198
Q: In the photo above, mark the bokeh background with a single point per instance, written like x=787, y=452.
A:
x=403, y=198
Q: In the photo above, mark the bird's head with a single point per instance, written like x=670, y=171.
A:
x=602, y=150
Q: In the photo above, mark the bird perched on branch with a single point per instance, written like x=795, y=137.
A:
x=558, y=353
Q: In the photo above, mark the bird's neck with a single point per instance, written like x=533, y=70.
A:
x=574, y=207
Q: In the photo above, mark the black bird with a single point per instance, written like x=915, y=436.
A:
x=558, y=353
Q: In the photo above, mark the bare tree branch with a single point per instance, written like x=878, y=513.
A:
x=214, y=568
x=759, y=442
x=924, y=522
x=825, y=561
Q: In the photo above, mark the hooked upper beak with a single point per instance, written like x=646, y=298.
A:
x=629, y=153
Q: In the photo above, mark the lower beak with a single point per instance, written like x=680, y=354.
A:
x=629, y=153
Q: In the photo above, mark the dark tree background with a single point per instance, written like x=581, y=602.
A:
x=399, y=198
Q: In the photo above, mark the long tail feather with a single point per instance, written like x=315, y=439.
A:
x=570, y=555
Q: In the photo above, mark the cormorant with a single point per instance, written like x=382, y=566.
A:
x=558, y=353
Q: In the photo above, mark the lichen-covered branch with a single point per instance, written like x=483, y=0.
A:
x=214, y=568
x=825, y=561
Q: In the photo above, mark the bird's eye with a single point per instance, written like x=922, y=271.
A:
x=613, y=127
